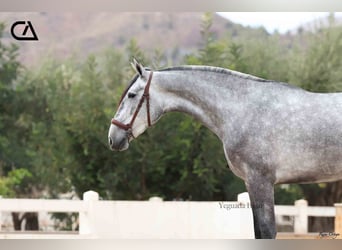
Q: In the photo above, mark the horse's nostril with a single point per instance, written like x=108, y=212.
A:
x=110, y=141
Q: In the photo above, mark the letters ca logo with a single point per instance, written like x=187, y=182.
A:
x=25, y=35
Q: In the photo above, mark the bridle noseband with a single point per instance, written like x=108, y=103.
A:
x=146, y=95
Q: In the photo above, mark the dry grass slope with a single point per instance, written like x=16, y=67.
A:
x=62, y=34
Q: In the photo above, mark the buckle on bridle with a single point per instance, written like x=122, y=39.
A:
x=130, y=133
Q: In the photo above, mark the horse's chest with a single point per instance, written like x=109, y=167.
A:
x=245, y=163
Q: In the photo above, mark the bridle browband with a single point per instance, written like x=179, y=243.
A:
x=146, y=95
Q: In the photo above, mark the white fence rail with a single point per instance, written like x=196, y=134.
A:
x=159, y=219
x=301, y=211
x=145, y=219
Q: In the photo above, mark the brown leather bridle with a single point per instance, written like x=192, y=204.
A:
x=146, y=95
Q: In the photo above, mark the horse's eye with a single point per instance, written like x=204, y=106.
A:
x=131, y=95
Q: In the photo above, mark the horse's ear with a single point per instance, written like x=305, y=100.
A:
x=139, y=68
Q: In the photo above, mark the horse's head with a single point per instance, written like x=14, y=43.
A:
x=137, y=110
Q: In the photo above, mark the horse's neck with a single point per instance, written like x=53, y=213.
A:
x=196, y=94
x=225, y=102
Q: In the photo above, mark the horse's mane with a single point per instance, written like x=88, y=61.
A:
x=227, y=72
x=215, y=70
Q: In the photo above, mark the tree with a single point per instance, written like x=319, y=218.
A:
x=9, y=69
x=13, y=157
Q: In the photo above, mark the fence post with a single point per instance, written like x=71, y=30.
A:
x=338, y=219
x=246, y=225
x=244, y=198
x=301, y=219
x=156, y=199
x=87, y=219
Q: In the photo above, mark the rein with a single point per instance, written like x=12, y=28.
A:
x=146, y=95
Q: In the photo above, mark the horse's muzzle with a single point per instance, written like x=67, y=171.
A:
x=118, y=145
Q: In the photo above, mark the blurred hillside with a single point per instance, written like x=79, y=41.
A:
x=176, y=34
x=61, y=34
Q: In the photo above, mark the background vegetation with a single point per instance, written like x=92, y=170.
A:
x=54, y=120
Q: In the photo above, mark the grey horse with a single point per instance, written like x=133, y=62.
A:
x=271, y=132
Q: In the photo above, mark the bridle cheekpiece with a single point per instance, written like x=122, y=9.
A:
x=146, y=96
